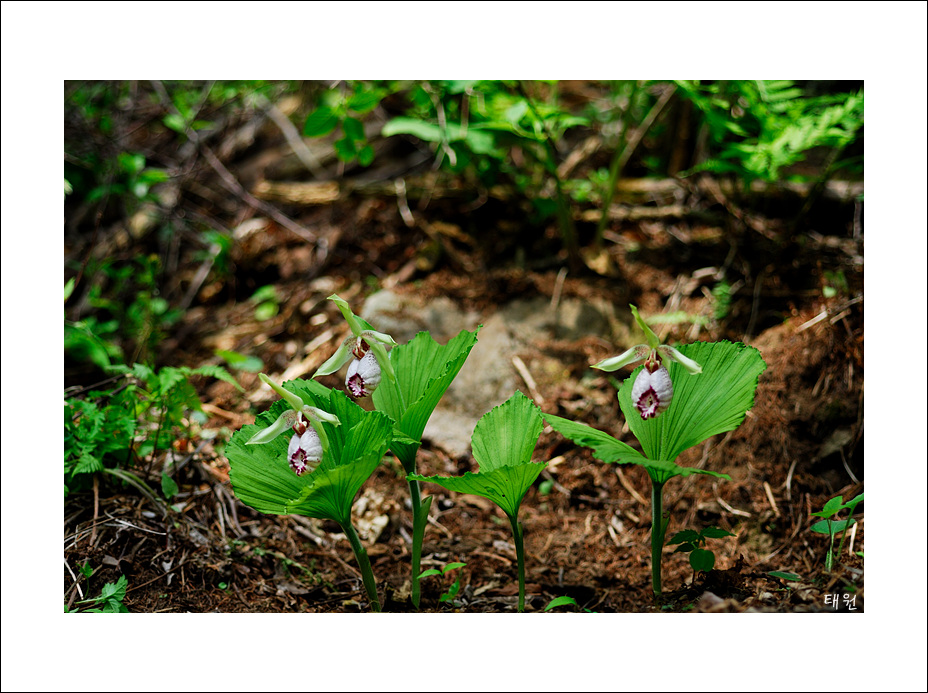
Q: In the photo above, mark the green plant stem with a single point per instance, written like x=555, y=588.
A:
x=657, y=534
x=364, y=563
x=420, y=514
x=520, y=558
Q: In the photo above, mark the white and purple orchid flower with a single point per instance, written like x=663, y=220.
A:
x=309, y=440
x=652, y=391
x=366, y=349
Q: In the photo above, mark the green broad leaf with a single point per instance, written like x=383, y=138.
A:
x=68, y=289
x=505, y=486
x=687, y=535
x=833, y=506
x=503, y=442
x=366, y=155
x=684, y=547
x=561, y=601
x=506, y=435
x=424, y=371
x=241, y=362
x=345, y=149
x=832, y=526
x=854, y=502
x=702, y=560
x=791, y=577
x=452, y=592
x=451, y=566
x=429, y=572
x=168, y=486
x=261, y=476
x=365, y=101
x=715, y=533
x=607, y=449
x=714, y=401
x=354, y=129
x=320, y=122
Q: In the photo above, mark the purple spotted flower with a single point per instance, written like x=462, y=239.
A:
x=363, y=375
x=309, y=440
x=652, y=391
x=367, y=351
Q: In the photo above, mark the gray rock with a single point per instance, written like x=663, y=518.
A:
x=487, y=378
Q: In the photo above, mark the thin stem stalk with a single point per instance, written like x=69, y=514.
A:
x=520, y=557
x=364, y=563
x=657, y=534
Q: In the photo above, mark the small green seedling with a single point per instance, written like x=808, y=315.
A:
x=563, y=601
x=503, y=442
x=452, y=591
x=110, y=599
x=833, y=527
x=335, y=447
x=417, y=376
x=690, y=541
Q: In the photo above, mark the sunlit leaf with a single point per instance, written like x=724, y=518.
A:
x=714, y=401
x=503, y=442
x=261, y=476
x=424, y=371
x=607, y=449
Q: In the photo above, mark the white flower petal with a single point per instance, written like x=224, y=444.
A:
x=363, y=376
x=652, y=393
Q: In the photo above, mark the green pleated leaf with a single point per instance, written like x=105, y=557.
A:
x=503, y=442
x=424, y=371
x=505, y=486
x=506, y=435
x=714, y=401
x=607, y=449
x=261, y=476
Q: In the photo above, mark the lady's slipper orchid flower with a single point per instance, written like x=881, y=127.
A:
x=309, y=440
x=366, y=349
x=652, y=391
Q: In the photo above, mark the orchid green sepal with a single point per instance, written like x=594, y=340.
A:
x=689, y=364
x=284, y=422
x=341, y=356
x=637, y=353
x=653, y=341
x=290, y=398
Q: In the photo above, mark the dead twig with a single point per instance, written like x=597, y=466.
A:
x=529, y=380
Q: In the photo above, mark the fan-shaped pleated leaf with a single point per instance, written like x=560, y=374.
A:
x=506, y=435
x=424, y=370
x=607, y=449
x=503, y=442
x=714, y=401
x=505, y=486
x=261, y=476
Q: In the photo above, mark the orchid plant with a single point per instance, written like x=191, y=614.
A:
x=677, y=399
x=502, y=444
x=417, y=375
x=334, y=448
